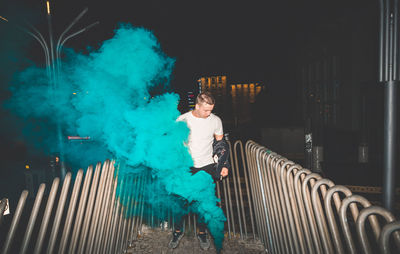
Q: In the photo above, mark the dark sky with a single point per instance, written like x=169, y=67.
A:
x=248, y=41
x=207, y=37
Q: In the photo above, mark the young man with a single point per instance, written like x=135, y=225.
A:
x=205, y=141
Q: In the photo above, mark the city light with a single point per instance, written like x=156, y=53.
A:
x=3, y=18
x=48, y=7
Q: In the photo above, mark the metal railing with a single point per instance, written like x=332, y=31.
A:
x=266, y=198
x=297, y=211
x=237, y=204
x=95, y=221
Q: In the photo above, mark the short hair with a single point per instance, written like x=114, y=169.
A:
x=206, y=97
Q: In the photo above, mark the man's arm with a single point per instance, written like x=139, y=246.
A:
x=224, y=171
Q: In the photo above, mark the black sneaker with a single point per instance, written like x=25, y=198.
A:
x=204, y=241
x=176, y=237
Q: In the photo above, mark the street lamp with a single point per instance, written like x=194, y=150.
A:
x=61, y=40
x=389, y=77
x=39, y=38
x=53, y=63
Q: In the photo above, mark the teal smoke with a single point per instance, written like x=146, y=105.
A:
x=109, y=95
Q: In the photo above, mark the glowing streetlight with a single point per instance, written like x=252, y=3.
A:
x=48, y=7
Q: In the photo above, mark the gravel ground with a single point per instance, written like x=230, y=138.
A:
x=154, y=240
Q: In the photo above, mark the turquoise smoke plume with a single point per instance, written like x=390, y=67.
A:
x=107, y=95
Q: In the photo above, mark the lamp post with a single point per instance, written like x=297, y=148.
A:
x=53, y=63
x=389, y=77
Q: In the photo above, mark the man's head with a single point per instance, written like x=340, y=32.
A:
x=204, y=104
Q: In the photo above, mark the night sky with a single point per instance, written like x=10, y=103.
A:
x=251, y=41
x=247, y=41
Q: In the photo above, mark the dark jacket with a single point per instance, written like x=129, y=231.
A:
x=221, y=158
x=221, y=150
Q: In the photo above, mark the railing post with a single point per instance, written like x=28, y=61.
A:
x=15, y=222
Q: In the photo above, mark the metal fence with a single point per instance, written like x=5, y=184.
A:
x=298, y=211
x=267, y=198
x=94, y=221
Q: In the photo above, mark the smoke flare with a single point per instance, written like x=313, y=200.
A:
x=112, y=95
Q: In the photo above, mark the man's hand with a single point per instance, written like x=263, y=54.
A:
x=224, y=172
x=218, y=137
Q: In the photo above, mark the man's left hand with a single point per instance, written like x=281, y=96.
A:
x=224, y=172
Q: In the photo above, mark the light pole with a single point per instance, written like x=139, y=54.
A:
x=53, y=63
x=39, y=38
x=389, y=76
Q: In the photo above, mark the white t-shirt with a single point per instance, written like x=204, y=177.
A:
x=202, y=131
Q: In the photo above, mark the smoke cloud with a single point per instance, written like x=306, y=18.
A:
x=111, y=94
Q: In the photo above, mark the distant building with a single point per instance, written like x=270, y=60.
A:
x=214, y=84
x=217, y=85
x=233, y=102
x=243, y=99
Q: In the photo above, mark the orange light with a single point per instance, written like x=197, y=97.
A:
x=48, y=7
x=57, y=159
x=3, y=18
x=74, y=93
x=27, y=166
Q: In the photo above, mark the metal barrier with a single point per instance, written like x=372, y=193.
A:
x=294, y=212
x=266, y=198
x=98, y=223
x=237, y=204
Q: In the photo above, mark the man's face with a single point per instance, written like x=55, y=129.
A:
x=204, y=109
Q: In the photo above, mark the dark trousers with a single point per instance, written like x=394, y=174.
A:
x=210, y=169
